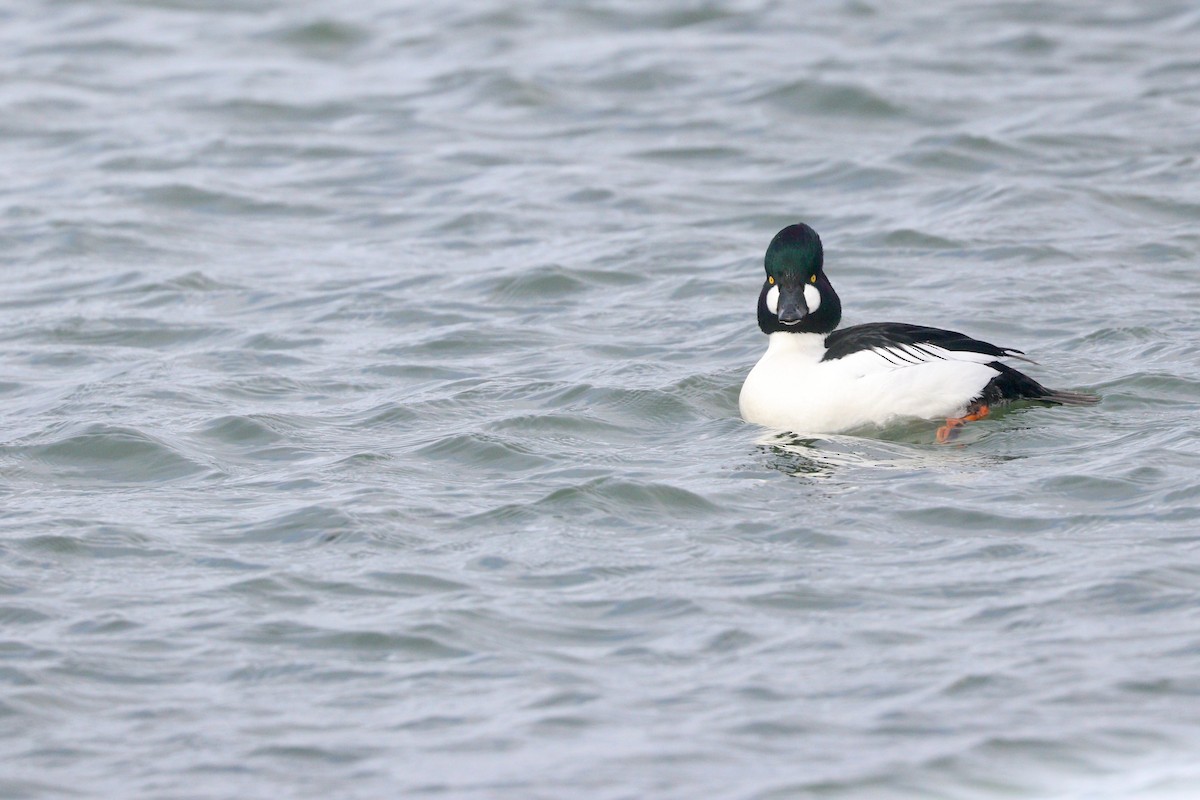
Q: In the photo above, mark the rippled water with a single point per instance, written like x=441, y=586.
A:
x=369, y=374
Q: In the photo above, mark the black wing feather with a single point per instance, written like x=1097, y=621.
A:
x=899, y=340
x=899, y=335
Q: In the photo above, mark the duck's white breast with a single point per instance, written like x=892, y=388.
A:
x=790, y=388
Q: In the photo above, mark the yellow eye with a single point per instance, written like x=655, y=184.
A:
x=770, y=280
x=813, y=279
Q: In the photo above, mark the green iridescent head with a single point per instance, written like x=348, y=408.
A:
x=794, y=255
x=796, y=297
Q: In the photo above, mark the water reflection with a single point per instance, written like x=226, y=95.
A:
x=908, y=447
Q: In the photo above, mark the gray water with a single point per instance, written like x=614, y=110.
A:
x=368, y=401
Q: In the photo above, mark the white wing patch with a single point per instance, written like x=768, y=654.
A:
x=899, y=356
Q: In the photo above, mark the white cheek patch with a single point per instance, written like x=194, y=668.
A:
x=773, y=300
x=812, y=297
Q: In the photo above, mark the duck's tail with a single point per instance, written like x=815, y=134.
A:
x=1011, y=384
x=1069, y=398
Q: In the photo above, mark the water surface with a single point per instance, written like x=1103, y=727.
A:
x=368, y=422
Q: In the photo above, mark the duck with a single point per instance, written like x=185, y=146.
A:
x=818, y=379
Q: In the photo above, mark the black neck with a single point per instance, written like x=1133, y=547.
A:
x=823, y=320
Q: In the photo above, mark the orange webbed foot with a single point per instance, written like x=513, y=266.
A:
x=950, y=430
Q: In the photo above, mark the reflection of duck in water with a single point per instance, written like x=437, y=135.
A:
x=814, y=379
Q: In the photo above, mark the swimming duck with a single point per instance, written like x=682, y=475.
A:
x=816, y=379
